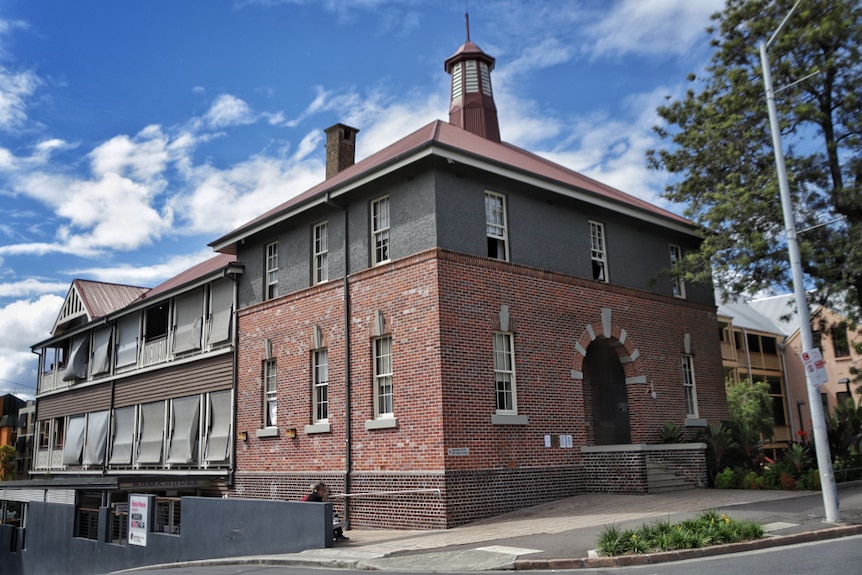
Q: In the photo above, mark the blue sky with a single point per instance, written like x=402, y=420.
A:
x=134, y=133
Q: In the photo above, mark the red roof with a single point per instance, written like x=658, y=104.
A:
x=100, y=299
x=446, y=140
x=192, y=274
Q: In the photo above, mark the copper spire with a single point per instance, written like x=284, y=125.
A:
x=471, y=106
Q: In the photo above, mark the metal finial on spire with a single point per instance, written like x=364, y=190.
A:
x=467, y=18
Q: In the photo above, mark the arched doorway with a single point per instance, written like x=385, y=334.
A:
x=607, y=385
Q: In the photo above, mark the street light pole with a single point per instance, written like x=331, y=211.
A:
x=818, y=422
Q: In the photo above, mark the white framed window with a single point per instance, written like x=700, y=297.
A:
x=678, y=283
x=320, y=265
x=272, y=270
x=383, y=406
x=495, y=224
x=689, y=385
x=598, y=254
x=504, y=374
x=320, y=368
x=270, y=393
x=380, y=230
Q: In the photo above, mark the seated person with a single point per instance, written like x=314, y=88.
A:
x=319, y=494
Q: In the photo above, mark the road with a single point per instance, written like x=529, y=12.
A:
x=833, y=557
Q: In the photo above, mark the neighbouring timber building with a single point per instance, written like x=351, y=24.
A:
x=455, y=327
x=135, y=395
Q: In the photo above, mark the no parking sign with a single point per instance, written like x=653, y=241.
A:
x=815, y=367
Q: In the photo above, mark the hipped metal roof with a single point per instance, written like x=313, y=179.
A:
x=460, y=146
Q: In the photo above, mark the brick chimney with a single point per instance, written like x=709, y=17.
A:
x=340, y=148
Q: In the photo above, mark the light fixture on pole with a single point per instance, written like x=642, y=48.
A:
x=818, y=422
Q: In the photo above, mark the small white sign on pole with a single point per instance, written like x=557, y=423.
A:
x=138, y=515
x=815, y=367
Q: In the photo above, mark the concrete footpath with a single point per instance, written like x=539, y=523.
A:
x=563, y=534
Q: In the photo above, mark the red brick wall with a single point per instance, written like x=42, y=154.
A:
x=441, y=309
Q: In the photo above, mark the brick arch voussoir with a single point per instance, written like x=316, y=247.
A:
x=625, y=348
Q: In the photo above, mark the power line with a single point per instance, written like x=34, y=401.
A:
x=18, y=384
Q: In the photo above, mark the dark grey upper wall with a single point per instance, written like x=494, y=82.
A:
x=436, y=204
x=412, y=230
x=549, y=231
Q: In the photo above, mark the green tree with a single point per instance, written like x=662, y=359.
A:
x=750, y=407
x=719, y=143
x=751, y=421
x=7, y=463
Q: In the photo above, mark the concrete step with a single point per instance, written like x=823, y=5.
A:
x=661, y=480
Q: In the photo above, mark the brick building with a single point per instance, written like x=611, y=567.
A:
x=455, y=327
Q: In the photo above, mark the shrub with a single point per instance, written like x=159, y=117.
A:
x=788, y=482
x=844, y=429
x=708, y=528
x=753, y=480
x=798, y=459
x=671, y=433
x=726, y=479
x=719, y=441
x=611, y=542
x=811, y=480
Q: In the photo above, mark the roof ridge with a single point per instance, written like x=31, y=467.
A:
x=108, y=283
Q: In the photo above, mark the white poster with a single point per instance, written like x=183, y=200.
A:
x=138, y=514
x=815, y=367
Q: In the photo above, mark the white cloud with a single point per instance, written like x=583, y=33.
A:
x=112, y=213
x=223, y=199
x=653, y=27
x=29, y=287
x=141, y=158
x=7, y=160
x=44, y=248
x=143, y=275
x=228, y=111
x=386, y=125
x=322, y=101
x=15, y=89
x=22, y=323
x=613, y=150
x=547, y=53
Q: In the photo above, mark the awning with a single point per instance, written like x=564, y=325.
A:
x=219, y=427
x=190, y=310
x=184, y=431
x=97, y=435
x=74, y=441
x=151, y=433
x=124, y=434
x=222, y=302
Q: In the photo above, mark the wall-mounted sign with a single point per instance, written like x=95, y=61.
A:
x=139, y=512
x=458, y=451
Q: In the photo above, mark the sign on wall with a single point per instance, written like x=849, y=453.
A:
x=139, y=514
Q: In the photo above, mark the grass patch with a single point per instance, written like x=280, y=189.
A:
x=708, y=528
